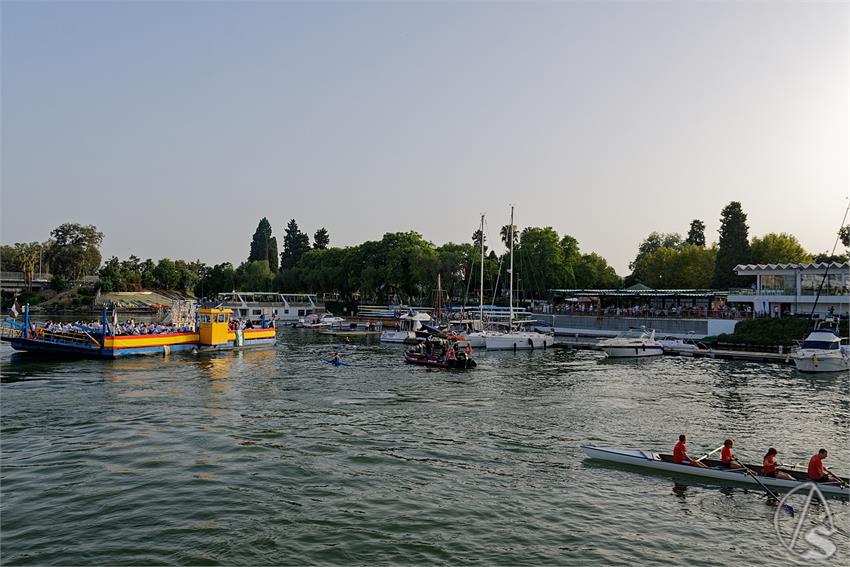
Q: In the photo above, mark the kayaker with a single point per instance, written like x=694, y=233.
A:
x=336, y=360
x=768, y=466
x=817, y=472
x=727, y=457
x=680, y=454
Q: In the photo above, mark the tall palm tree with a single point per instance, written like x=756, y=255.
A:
x=505, y=234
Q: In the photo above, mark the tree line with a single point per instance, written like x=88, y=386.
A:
x=403, y=266
x=666, y=261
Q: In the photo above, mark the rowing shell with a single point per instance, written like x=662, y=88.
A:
x=650, y=460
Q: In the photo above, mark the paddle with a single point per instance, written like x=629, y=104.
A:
x=709, y=453
x=788, y=508
x=841, y=483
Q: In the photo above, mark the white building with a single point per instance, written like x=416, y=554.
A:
x=792, y=288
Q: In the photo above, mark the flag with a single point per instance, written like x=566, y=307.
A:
x=14, y=310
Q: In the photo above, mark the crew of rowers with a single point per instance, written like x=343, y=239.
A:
x=129, y=327
x=816, y=470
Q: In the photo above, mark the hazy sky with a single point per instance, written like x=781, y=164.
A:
x=174, y=127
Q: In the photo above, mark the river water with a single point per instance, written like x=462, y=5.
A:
x=273, y=457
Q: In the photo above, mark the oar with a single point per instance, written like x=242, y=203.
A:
x=841, y=483
x=788, y=508
x=710, y=453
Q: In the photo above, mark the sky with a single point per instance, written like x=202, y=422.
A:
x=174, y=127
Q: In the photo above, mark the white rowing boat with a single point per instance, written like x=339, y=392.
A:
x=650, y=460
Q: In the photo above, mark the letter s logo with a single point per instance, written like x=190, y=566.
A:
x=817, y=537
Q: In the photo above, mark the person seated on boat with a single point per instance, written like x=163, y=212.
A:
x=727, y=457
x=768, y=466
x=336, y=359
x=817, y=472
x=468, y=349
x=451, y=354
x=680, y=454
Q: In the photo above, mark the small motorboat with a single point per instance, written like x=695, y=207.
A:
x=822, y=351
x=452, y=352
x=715, y=470
x=632, y=344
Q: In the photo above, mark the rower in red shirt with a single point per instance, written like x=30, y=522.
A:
x=816, y=469
x=680, y=454
x=727, y=457
x=768, y=466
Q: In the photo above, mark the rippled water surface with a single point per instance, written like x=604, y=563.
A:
x=273, y=457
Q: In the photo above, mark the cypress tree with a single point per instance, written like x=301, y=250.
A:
x=696, y=235
x=733, y=247
x=273, y=255
x=260, y=241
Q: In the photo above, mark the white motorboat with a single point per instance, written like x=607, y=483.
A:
x=675, y=344
x=822, y=352
x=514, y=338
x=408, y=325
x=325, y=321
x=286, y=308
x=631, y=344
x=714, y=470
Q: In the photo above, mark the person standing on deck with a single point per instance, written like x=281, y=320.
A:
x=680, y=454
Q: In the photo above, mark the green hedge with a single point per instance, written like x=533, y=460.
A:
x=772, y=331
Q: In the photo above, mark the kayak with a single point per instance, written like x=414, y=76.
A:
x=335, y=362
x=715, y=470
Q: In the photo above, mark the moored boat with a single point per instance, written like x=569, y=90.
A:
x=213, y=330
x=714, y=470
x=408, y=325
x=441, y=353
x=633, y=343
x=822, y=352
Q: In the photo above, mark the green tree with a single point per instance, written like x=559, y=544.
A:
x=74, y=251
x=295, y=244
x=273, y=256
x=542, y=265
x=166, y=273
x=593, y=272
x=650, y=244
x=844, y=235
x=696, y=234
x=477, y=237
x=829, y=258
x=455, y=262
x=220, y=278
x=9, y=259
x=27, y=255
x=781, y=248
x=321, y=239
x=260, y=241
x=733, y=247
x=255, y=276
x=505, y=235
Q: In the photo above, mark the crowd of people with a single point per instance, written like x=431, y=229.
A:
x=128, y=327
x=646, y=310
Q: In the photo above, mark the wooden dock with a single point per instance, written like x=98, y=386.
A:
x=589, y=343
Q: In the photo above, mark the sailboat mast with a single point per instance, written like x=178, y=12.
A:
x=481, y=295
x=511, y=299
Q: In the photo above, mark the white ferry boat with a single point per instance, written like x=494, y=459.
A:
x=285, y=308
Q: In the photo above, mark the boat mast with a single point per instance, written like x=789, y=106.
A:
x=481, y=295
x=511, y=287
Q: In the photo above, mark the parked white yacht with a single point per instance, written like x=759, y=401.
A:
x=514, y=338
x=632, y=343
x=408, y=324
x=822, y=352
x=280, y=307
x=325, y=321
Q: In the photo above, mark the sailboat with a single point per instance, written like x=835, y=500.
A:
x=478, y=339
x=514, y=338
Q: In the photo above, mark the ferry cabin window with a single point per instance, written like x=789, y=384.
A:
x=286, y=311
x=824, y=345
x=257, y=312
x=221, y=318
x=300, y=312
x=203, y=318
